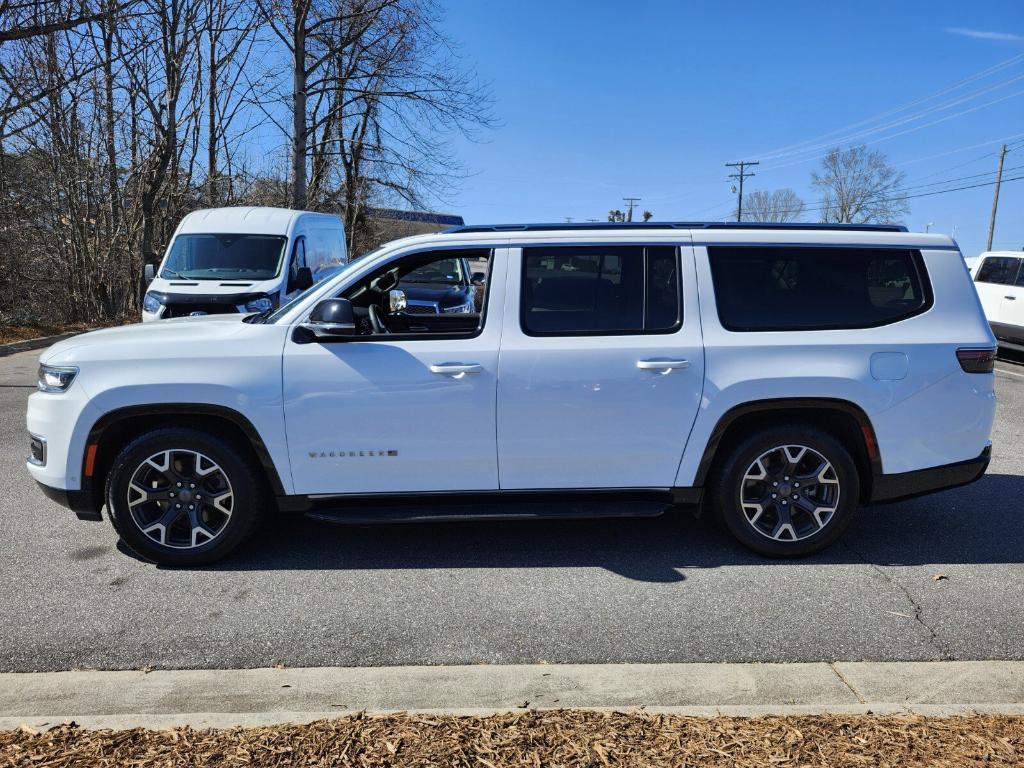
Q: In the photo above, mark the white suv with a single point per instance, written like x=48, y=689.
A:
x=999, y=279
x=777, y=376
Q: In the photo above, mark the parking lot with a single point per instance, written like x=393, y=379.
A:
x=939, y=577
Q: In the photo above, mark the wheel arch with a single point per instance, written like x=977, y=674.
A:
x=846, y=420
x=114, y=428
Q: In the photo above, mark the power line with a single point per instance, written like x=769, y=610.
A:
x=867, y=121
x=907, y=130
x=924, y=194
x=742, y=165
x=818, y=209
x=857, y=135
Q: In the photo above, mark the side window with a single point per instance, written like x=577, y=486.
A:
x=769, y=288
x=298, y=255
x=998, y=269
x=424, y=294
x=581, y=290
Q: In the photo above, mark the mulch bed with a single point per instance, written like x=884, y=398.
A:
x=10, y=334
x=556, y=738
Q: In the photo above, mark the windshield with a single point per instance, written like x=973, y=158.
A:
x=440, y=272
x=287, y=307
x=216, y=257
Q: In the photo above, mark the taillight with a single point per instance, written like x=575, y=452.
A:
x=977, y=360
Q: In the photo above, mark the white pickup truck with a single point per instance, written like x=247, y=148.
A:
x=777, y=376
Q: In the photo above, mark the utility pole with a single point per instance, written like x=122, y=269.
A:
x=742, y=165
x=995, y=199
x=631, y=201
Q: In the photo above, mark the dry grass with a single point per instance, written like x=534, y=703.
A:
x=560, y=738
x=12, y=333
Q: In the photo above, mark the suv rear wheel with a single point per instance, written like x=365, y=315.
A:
x=183, y=496
x=787, y=491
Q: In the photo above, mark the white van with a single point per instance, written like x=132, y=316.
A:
x=999, y=278
x=226, y=260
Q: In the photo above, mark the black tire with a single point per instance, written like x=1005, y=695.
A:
x=236, y=472
x=774, y=447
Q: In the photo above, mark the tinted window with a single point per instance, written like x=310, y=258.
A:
x=998, y=269
x=600, y=289
x=780, y=288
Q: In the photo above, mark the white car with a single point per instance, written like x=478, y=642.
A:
x=242, y=260
x=776, y=376
x=999, y=278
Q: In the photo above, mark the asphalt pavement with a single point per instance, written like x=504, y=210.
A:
x=939, y=577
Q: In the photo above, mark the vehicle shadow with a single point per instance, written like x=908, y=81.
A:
x=975, y=524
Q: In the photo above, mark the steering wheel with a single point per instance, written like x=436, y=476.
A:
x=377, y=321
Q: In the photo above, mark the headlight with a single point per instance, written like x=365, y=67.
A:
x=150, y=303
x=56, y=378
x=261, y=304
x=463, y=309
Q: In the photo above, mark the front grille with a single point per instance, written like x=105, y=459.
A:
x=37, y=450
x=185, y=310
x=421, y=309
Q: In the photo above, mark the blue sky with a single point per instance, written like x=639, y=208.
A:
x=600, y=100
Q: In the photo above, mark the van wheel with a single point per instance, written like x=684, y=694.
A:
x=787, y=492
x=184, y=497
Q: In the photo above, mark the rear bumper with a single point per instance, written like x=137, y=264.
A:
x=905, y=485
x=79, y=502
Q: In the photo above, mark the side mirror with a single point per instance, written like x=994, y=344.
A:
x=302, y=280
x=331, y=318
x=397, y=301
x=478, y=278
x=149, y=273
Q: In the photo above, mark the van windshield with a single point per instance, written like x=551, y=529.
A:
x=220, y=256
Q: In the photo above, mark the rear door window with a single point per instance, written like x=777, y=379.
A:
x=600, y=290
x=998, y=269
x=780, y=288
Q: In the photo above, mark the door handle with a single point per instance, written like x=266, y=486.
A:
x=662, y=366
x=456, y=370
x=1011, y=298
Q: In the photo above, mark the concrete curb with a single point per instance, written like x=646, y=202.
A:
x=250, y=697
x=29, y=344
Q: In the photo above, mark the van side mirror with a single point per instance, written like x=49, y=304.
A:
x=478, y=278
x=302, y=280
x=149, y=273
x=331, y=318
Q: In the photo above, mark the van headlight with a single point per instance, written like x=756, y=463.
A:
x=262, y=304
x=56, y=378
x=150, y=303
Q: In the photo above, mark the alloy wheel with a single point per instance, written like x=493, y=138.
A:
x=789, y=493
x=180, y=498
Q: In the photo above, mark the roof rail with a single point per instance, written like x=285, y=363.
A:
x=671, y=225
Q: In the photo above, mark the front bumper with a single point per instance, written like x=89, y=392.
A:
x=906, y=485
x=79, y=502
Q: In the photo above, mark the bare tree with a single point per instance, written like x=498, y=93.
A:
x=776, y=205
x=858, y=186
x=119, y=116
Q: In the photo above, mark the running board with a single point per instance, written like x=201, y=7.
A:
x=504, y=510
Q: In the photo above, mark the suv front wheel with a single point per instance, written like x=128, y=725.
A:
x=181, y=496
x=787, y=492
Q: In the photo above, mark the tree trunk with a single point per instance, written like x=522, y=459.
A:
x=299, y=127
x=211, y=114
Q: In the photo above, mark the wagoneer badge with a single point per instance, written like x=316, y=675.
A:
x=351, y=454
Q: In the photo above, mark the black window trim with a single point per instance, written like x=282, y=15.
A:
x=915, y=258
x=625, y=244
